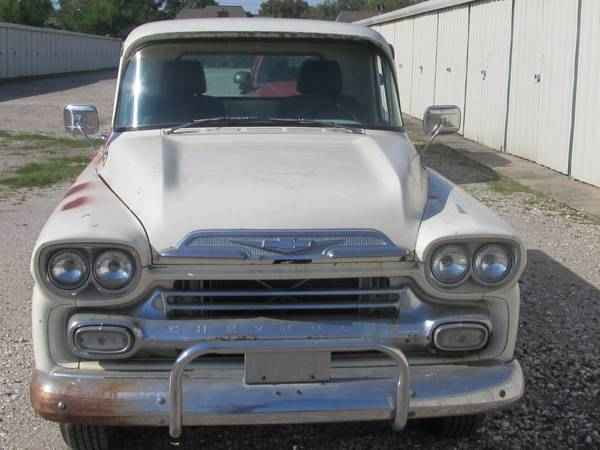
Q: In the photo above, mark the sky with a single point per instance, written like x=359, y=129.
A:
x=253, y=5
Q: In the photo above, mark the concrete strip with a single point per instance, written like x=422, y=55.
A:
x=573, y=193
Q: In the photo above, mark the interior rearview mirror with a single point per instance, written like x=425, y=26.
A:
x=81, y=120
x=243, y=79
x=442, y=119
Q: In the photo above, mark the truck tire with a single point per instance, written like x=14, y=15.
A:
x=86, y=437
x=456, y=426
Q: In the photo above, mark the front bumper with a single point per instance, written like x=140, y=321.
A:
x=208, y=397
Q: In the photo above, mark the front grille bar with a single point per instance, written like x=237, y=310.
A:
x=281, y=300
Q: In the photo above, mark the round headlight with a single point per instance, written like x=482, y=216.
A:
x=450, y=264
x=492, y=263
x=68, y=269
x=113, y=269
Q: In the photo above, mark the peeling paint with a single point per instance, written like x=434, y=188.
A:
x=78, y=202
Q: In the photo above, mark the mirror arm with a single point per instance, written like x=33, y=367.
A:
x=436, y=132
x=87, y=138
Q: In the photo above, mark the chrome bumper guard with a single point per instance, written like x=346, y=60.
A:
x=176, y=409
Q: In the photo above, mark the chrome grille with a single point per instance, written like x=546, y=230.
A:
x=252, y=298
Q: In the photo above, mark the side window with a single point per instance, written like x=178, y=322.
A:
x=381, y=88
x=388, y=94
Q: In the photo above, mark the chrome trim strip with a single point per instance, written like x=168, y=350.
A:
x=283, y=246
x=175, y=399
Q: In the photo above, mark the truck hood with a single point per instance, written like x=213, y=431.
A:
x=267, y=179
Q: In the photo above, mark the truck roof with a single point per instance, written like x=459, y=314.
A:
x=249, y=27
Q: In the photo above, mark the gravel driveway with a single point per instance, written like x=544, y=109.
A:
x=37, y=105
x=558, y=345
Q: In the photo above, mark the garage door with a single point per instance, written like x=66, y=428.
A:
x=423, y=81
x=487, y=72
x=453, y=36
x=586, y=141
x=3, y=53
x=542, y=81
x=404, y=60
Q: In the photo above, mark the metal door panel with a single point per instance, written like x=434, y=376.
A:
x=404, y=61
x=453, y=36
x=586, y=139
x=423, y=82
x=558, y=46
x=3, y=53
x=487, y=72
x=524, y=122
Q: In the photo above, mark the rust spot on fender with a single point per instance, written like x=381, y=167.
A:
x=77, y=188
x=78, y=202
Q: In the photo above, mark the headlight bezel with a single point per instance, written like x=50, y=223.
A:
x=471, y=283
x=90, y=251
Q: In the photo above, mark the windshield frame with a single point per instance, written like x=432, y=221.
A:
x=377, y=51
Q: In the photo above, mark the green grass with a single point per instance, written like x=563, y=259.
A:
x=507, y=186
x=36, y=140
x=46, y=173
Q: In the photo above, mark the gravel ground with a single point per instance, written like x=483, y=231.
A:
x=557, y=345
x=37, y=105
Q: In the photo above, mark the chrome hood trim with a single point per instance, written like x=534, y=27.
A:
x=276, y=246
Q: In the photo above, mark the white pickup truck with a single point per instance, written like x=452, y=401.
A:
x=259, y=242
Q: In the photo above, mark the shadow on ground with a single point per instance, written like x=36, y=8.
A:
x=20, y=88
x=557, y=348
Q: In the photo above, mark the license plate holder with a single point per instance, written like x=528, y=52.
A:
x=287, y=367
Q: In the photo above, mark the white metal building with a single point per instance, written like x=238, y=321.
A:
x=31, y=51
x=525, y=73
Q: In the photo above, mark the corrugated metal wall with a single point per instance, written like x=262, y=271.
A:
x=586, y=140
x=526, y=74
x=30, y=51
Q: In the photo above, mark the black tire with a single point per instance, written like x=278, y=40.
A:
x=86, y=437
x=456, y=426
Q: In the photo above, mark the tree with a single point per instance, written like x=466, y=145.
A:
x=283, y=8
x=172, y=7
x=106, y=17
x=329, y=9
x=389, y=5
x=25, y=12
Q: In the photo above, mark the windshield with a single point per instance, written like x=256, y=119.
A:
x=329, y=82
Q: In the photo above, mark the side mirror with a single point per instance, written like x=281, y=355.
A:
x=243, y=79
x=81, y=120
x=442, y=120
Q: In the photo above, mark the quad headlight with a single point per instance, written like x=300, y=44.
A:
x=487, y=264
x=450, y=264
x=105, y=269
x=492, y=264
x=113, y=269
x=68, y=269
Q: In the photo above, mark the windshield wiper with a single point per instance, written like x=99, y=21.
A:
x=223, y=120
x=313, y=123
x=244, y=120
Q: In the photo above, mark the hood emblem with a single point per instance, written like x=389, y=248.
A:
x=291, y=246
